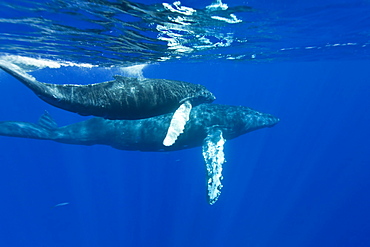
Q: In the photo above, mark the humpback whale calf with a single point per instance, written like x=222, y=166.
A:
x=209, y=126
x=122, y=98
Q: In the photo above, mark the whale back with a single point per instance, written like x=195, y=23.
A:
x=125, y=97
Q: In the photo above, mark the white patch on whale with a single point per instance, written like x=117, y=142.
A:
x=177, y=125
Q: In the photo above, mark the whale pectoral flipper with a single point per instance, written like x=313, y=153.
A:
x=177, y=125
x=213, y=154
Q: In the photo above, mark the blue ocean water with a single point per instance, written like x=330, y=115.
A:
x=304, y=182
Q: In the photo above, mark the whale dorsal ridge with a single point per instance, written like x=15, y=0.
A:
x=47, y=121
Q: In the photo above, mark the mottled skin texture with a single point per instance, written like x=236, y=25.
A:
x=122, y=98
x=148, y=134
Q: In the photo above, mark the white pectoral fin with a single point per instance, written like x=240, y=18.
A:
x=178, y=121
x=213, y=153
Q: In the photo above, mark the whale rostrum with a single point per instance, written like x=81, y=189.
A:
x=209, y=126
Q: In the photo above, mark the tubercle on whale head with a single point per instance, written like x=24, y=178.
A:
x=264, y=120
x=273, y=121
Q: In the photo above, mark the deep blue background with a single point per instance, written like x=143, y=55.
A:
x=304, y=182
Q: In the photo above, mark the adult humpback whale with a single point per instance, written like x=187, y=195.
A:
x=122, y=98
x=209, y=126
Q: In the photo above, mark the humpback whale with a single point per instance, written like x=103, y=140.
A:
x=209, y=126
x=122, y=98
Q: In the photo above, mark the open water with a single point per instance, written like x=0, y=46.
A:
x=304, y=182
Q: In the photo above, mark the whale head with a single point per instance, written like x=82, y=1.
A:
x=253, y=120
x=201, y=95
x=239, y=120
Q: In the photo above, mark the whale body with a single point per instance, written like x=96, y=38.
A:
x=122, y=98
x=209, y=126
x=145, y=134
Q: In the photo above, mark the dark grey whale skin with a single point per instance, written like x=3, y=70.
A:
x=122, y=98
x=146, y=134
